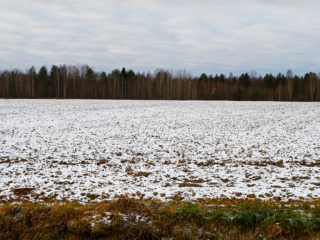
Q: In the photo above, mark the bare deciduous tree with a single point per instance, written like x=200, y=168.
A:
x=253, y=77
x=289, y=84
x=312, y=85
x=32, y=73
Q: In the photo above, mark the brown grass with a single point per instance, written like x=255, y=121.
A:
x=128, y=218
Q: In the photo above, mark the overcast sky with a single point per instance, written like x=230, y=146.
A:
x=200, y=36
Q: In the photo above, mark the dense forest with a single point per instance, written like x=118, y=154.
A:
x=81, y=81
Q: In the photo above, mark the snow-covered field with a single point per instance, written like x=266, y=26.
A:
x=89, y=149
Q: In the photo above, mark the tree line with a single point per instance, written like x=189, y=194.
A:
x=82, y=82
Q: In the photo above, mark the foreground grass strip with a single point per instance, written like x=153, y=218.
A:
x=127, y=218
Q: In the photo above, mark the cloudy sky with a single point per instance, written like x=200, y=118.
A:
x=212, y=36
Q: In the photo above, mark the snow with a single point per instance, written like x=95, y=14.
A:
x=101, y=219
x=99, y=149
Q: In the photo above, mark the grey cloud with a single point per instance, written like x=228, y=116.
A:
x=203, y=36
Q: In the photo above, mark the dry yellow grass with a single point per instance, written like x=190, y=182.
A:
x=128, y=218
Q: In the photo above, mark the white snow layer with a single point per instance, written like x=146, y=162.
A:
x=92, y=150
